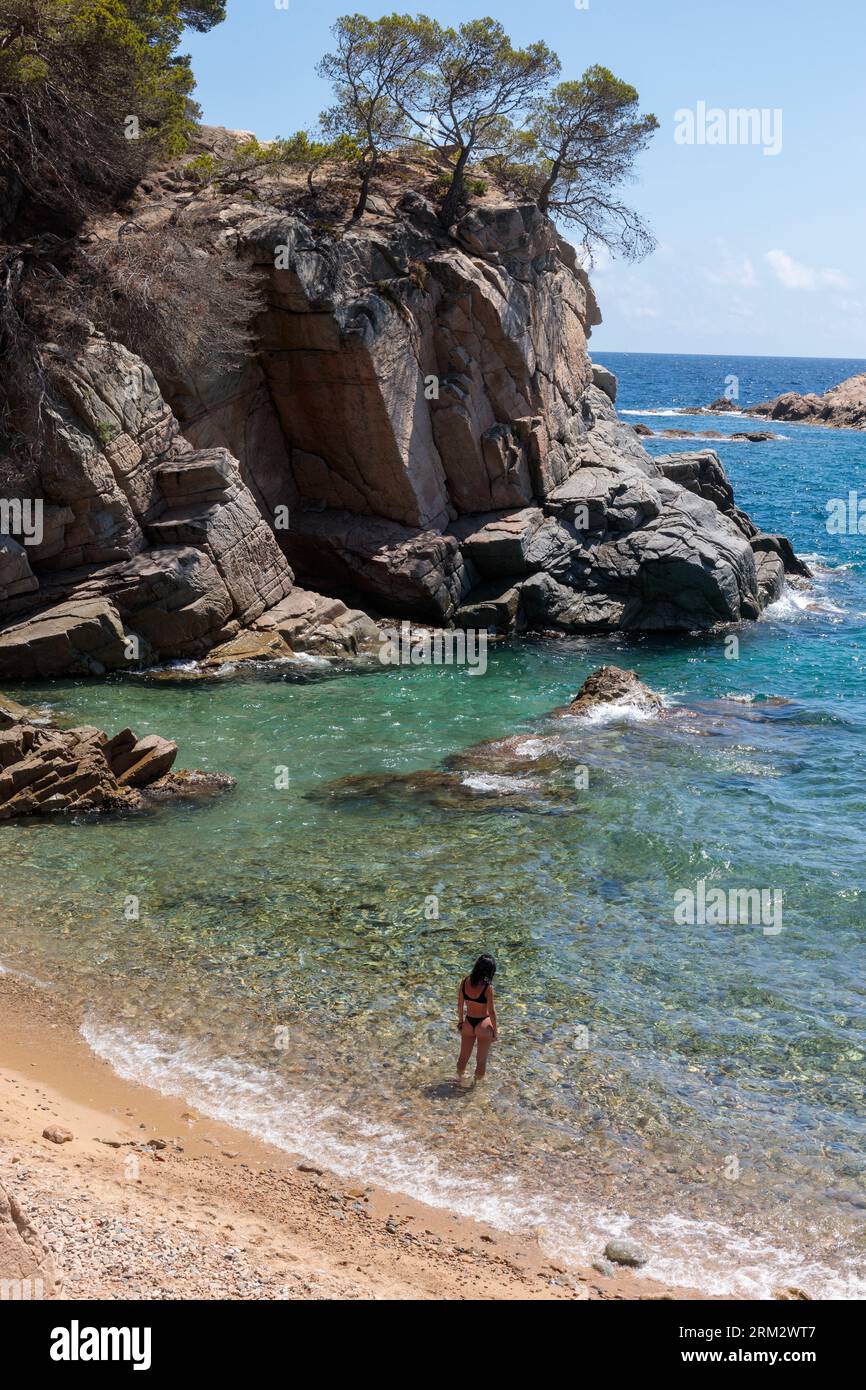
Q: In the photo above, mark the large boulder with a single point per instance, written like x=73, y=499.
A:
x=304, y=623
x=611, y=685
x=401, y=570
x=83, y=637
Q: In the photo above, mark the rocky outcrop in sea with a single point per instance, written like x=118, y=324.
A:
x=841, y=407
x=49, y=771
x=420, y=432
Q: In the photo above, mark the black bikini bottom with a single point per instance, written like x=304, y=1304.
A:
x=474, y=1022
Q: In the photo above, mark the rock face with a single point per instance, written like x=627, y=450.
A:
x=451, y=452
x=149, y=549
x=843, y=406
x=49, y=771
x=27, y=1268
x=420, y=431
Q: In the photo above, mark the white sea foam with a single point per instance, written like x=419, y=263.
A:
x=683, y=1252
x=497, y=784
x=673, y=410
x=531, y=747
x=615, y=712
x=794, y=605
x=23, y=975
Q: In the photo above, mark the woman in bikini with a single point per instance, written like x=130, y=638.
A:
x=476, y=1016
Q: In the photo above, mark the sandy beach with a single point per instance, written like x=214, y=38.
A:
x=150, y=1200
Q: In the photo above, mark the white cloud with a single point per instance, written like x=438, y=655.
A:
x=796, y=276
x=728, y=269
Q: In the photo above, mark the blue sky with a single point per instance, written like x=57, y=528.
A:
x=757, y=253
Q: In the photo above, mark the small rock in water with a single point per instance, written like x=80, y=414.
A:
x=793, y=1294
x=58, y=1135
x=604, y=1268
x=626, y=1252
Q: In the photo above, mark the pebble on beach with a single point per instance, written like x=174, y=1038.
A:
x=626, y=1252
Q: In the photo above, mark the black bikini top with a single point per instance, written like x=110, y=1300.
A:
x=482, y=997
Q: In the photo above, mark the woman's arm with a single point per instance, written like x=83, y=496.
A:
x=492, y=1013
x=460, y=1008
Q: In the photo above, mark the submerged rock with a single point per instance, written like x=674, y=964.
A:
x=13, y=713
x=523, y=772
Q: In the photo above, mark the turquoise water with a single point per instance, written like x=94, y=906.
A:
x=296, y=956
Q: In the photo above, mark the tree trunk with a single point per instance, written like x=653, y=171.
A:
x=453, y=197
x=547, y=188
x=363, y=194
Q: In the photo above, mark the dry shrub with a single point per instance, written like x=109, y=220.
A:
x=168, y=295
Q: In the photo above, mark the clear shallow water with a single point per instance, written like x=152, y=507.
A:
x=307, y=911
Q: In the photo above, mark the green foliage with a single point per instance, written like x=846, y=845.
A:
x=72, y=75
x=469, y=95
x=106, y=430
x=250, y=161
x=581, y=141
x=377, y=65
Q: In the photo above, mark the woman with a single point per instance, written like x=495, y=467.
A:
x=476, y=1015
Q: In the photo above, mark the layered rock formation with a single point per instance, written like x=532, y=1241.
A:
x=421, y=430
x=451, y=453
x=150, y=549
x=46, y=771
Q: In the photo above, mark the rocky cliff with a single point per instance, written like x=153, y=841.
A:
x=420, y=430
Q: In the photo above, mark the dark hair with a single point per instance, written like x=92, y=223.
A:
x=482, y=971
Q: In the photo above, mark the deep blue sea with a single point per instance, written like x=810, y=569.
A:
x=699, y=1085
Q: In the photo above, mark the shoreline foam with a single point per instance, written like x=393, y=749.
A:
x=218, y=1213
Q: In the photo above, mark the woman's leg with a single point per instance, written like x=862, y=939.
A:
x=485, y=1038
x=467, y=1042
